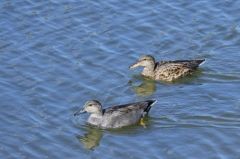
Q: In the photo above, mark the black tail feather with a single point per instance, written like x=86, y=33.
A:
x=195, y=63
x=150, y=103
x=200, y=61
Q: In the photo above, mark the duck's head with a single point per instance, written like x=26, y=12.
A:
x=144, y=61
x=92, y=107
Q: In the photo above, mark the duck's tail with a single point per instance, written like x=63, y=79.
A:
x=194, y=64
x=150, y=104
x=200, y=61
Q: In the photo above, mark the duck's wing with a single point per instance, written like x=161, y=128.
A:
x=127, y=114
x=171, y=70
x=191, y=64
x=143, y=107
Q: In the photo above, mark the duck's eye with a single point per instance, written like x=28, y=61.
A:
x=90, y=105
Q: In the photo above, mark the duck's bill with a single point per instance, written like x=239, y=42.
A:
x=81, y=111
x=137, y=64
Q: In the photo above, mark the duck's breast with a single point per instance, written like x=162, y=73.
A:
x=95, y=119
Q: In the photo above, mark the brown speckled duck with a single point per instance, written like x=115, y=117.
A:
x=166, y=70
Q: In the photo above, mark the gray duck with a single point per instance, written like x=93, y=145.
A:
x=115, y=116
x=166, y=70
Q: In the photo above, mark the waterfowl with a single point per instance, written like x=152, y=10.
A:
x=166, y=70
x=115, y=116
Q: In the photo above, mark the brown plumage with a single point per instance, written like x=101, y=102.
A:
x=166, y=70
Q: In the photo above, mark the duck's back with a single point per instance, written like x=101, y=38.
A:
x=124, y=115
x=171, y=70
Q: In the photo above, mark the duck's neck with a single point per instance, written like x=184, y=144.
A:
x=149, y=70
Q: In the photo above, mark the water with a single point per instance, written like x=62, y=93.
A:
x=55, y=55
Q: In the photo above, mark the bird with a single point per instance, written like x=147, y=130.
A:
x=168, y=71
x=115, y=116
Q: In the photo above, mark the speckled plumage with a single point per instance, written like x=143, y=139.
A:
x=116, y=116
x=166, y=70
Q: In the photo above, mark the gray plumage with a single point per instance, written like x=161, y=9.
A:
x=166, y=70
x=115, y=116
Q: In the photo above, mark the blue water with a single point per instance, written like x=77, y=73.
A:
x=55, y=55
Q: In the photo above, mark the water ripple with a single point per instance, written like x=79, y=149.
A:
x=55, y=55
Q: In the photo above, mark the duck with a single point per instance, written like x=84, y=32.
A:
x=166, y=70
x=115, y=116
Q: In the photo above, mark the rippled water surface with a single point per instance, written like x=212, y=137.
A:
x=55, y=55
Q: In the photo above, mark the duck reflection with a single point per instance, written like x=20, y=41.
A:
x=146, y=87
x=91, y=139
